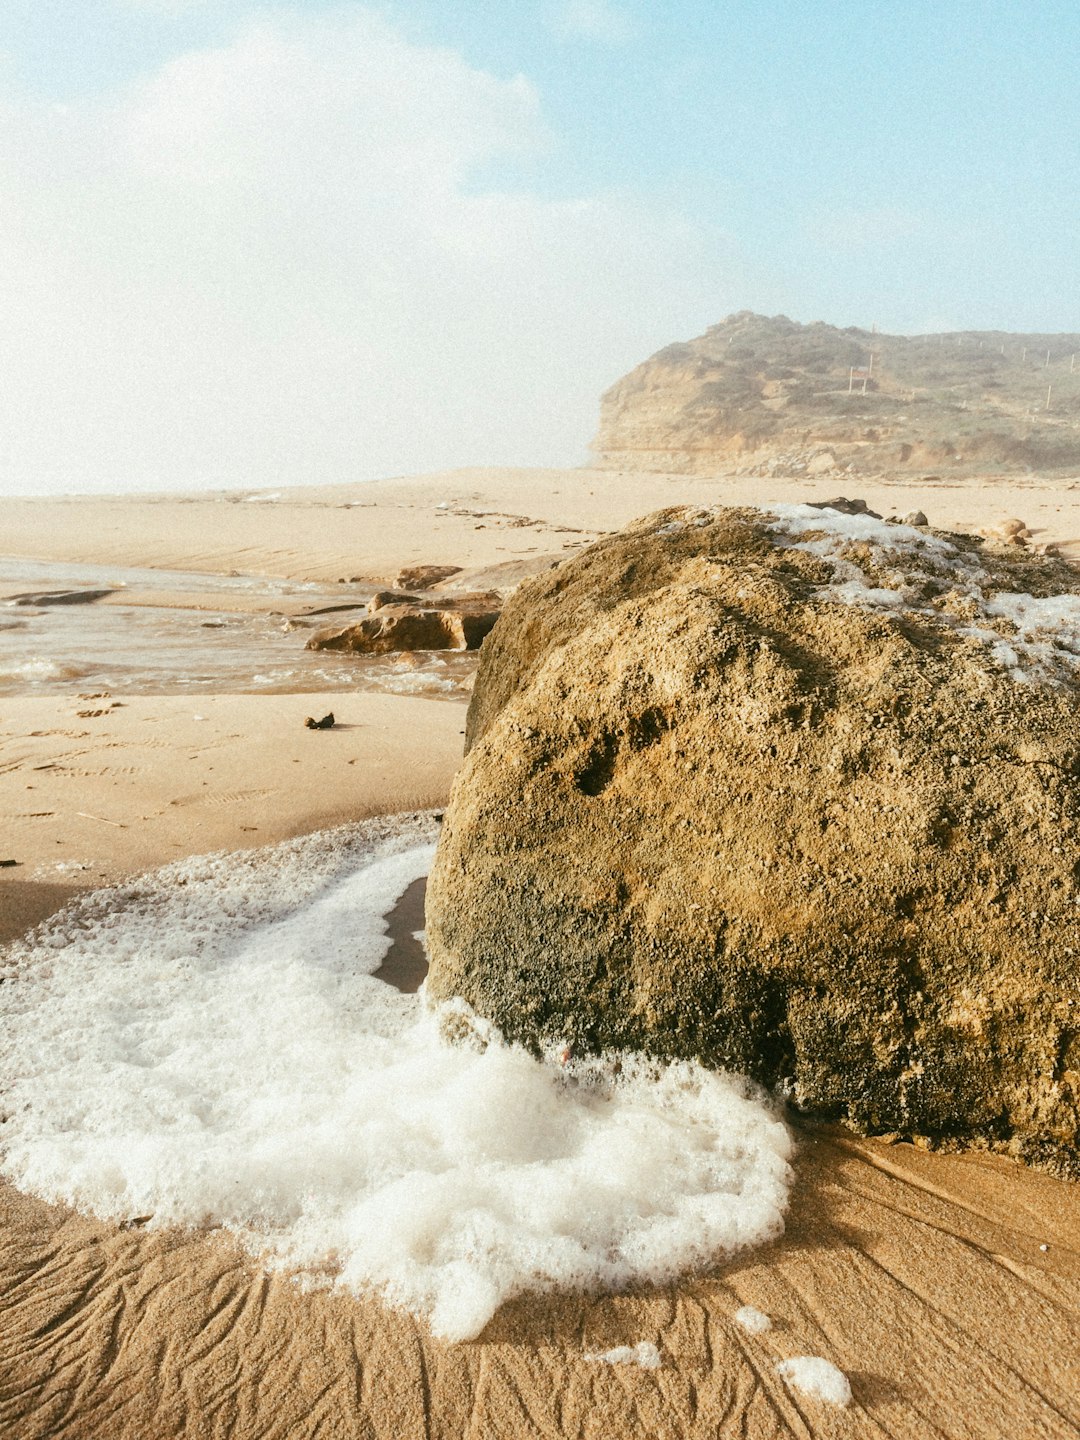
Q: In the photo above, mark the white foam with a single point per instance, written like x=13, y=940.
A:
x=38, y=668
x=831, y=525
x=819, y=1379
x=1032, y=639
x=752, y=1320
x=209, y=1045
x=644, y=1354
x=414, y=682
x=1050, y=622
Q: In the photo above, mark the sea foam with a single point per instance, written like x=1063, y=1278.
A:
x=1032, y=639
x=817, y=1378
x=210, y=1046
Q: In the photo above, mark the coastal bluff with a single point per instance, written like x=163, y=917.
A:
x=766, y=396
x=797, y=793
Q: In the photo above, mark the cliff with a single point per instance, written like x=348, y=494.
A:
x=771, y=396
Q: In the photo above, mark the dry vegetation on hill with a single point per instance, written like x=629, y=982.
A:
x=768, y=395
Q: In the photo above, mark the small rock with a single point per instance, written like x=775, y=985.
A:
x=458, y=624
x=915, y=517
x=845, y=506
x=1007, y=531
x=382, y=598
x=422, y=577
x=326, y=723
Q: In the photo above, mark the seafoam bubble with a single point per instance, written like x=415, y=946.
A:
x=816, y=1378
x=39, y=668
x=752, y=1320
x=644, y=1355
x=210, y=1044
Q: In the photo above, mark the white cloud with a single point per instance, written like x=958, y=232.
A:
x=271, y=263
x=596, y=20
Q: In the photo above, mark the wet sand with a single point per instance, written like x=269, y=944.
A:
x=921, y=1275
x=87, y=801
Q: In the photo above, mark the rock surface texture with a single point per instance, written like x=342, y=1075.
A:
x=795, y=792
x=394, y=624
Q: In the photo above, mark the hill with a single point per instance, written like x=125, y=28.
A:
x=765, y=395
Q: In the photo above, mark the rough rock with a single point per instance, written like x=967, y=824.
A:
x=501, y=577
x=796, y=794
x=1009, y=531
x=58, y=597
x=458, y=624
x=821, y=464
x=845, y=506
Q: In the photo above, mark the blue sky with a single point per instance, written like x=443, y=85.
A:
x=247, y=244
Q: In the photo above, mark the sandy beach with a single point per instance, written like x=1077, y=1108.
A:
x=89, y=799
x=473, y=518
x=944, y=1286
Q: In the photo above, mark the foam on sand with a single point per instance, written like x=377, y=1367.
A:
x=817, y=1378
x=644, y=1355
x=752, y=1320
x=208, y=1046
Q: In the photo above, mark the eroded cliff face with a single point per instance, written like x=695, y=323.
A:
x=770, y=396
x=793, y=792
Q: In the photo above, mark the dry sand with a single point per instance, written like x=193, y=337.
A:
x=922, y=1276
x=472, y=518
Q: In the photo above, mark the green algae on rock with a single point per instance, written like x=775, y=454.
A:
x=798, y=794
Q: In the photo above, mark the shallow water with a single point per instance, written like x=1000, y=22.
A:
x=160, y=649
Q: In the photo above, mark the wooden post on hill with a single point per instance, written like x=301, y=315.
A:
x=1048, y=389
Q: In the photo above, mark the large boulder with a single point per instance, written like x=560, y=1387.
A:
x=796, y=793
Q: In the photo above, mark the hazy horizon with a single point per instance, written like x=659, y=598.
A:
x=250, y=247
